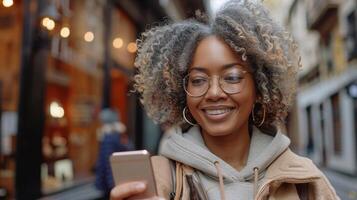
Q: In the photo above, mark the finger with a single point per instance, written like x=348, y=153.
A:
x=127, y=190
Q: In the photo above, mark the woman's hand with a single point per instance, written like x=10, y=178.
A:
x=130, y=190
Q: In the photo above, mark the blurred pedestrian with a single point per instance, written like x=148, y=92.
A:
x=112, y=138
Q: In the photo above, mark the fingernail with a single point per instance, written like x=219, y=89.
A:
x=140, y=186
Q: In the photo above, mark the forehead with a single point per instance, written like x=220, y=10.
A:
x=213, y=54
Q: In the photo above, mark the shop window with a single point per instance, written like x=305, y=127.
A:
x=0, y=123
x=311, y=77
x=351, y=37
x=337, y=125
x=326, y=56
x=329, y=61
x=310, y=142
x=322, y=125
x=355, y=117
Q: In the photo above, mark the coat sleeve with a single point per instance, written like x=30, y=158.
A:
x=309, y=181
x=162, y=173
x=322, y=189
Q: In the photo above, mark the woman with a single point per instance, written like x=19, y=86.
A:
x=232, y=81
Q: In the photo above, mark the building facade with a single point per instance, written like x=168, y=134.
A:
x=72, y=64
x=323, y=122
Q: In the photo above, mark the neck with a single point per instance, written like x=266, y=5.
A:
x=232, y=148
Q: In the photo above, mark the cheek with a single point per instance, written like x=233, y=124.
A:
x=192, y=104
x=249, y=94
x=247, y=108
x=245, y=104
x=245, y=101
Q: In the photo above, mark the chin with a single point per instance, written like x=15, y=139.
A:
x=218, y=130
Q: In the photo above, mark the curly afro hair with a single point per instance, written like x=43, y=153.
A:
x=165, y=53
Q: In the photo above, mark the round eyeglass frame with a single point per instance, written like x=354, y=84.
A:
x=209, y=85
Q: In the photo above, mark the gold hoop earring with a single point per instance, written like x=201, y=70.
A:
x=185, y=118
x=254, y=118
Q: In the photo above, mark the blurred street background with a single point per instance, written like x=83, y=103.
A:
x=63, y=61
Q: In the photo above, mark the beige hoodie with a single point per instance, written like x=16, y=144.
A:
x=280, y=170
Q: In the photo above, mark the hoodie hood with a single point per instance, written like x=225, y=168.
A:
x=189, y=148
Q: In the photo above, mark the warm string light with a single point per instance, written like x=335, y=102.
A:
x=51, y=25
x=118, y=43
x=131, y=47
x=89, y=36
x=56, y=110
x=45, y=21
x=48, y=23
x=7, y=3
x=65, y=32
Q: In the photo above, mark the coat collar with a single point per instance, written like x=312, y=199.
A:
x=288, y=168
x=290, y=165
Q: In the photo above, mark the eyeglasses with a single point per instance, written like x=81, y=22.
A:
x=198, y=85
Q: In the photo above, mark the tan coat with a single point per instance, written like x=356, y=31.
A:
x=287, y=175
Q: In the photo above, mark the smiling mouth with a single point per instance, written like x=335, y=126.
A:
x=217, y=111
x=217, y=114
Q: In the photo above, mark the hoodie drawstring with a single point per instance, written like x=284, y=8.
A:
x=221, y=184
x=255, y=186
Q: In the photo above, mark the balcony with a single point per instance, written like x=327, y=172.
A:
x=319, y=12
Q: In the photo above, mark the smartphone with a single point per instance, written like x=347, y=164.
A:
x=130, y=166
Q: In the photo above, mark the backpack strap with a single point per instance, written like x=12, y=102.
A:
x=179, y=181
x=173, y=180
x=194, y=192
x=179, y=175
x=185, y=186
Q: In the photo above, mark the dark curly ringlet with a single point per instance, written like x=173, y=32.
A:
x=165, y=53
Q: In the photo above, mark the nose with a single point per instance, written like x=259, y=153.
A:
x=215, y=91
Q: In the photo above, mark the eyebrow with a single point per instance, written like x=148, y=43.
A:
x=226, y=66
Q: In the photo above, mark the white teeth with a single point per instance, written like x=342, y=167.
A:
x=218, y=111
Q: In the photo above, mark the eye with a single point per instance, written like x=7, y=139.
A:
x=233, y=78
x=198, y=80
